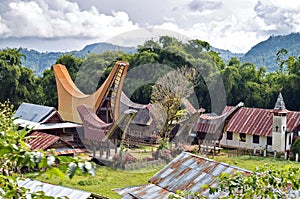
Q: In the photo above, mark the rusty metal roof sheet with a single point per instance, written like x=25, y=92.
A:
x=56, y=190
x=186, y=172
x=148, y=191
x=258, y=121
x=42, y=140
x=69, y=151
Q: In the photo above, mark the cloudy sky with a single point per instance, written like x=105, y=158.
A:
x=63, y=25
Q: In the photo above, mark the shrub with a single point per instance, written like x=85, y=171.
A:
x=296, y=146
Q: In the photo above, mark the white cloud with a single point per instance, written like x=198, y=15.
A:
x=61, y=18
x=228, y=24
x=4, y=30
x=278, y=17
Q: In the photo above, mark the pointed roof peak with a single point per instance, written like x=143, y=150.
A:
x=280, y=105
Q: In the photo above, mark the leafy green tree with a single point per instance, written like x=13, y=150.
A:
x=16, y=157
x=262, y=184
x=280, y=55
x=16, y=82
x=94, y=69
x=296, y=146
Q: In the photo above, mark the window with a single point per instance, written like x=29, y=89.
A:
x=229, y=135
x=276, y=128
x=243, y=137
x=256, y=139
x=269, y=140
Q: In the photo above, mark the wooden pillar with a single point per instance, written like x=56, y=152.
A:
x=101, y=150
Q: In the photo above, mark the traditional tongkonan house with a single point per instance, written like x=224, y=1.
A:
x=47, y=129
x=210, y=127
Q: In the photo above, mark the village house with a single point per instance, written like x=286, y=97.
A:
x=266, y=129
x=48, y=130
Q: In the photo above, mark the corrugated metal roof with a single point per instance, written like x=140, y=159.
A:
x=33, y=112
x=46, y=126
x=55, y=190
x=186, y=172
x=42, y=140
x=69, y=151
x=258, y=121
x=62, y=125
x=213, y=125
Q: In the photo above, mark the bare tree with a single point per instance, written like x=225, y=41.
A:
x=167, y=94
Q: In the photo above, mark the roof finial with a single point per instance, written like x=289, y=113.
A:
x=280, y=89
x=280, y=105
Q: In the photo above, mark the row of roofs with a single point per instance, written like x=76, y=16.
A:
x=47, y=129
x=253, y=121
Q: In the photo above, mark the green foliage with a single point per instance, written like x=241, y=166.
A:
x=17, y=83
x=263, y=183
x=296, y=146
x=264, y=53
x=16, y=157
x=243, y=81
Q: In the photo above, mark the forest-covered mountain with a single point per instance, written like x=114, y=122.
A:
x=39, y=61
x=264, y=53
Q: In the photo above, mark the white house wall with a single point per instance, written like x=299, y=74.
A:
x=236, y=143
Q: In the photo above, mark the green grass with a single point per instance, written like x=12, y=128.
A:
x=253, y=162
x=105, y=180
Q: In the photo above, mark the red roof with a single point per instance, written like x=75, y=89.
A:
x=258, y=121
x=70, y=151
x=42, y=140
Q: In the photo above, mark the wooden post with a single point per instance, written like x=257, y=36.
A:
x=274, y=154
x=285, y=155
x=265, y=153
x=101, y=150
x=94, y=152
x=297, y=157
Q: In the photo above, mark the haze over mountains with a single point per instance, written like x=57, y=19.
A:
x=262, y=54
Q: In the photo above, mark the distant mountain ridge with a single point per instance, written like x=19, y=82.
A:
x=262, y=54
x=40, y=61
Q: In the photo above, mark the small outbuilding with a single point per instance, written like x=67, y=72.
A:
x=48, y=129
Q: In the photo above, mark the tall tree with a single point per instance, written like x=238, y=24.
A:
x=167, y=94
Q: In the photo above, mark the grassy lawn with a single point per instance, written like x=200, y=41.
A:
x=107, y=179
x=251, y=162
